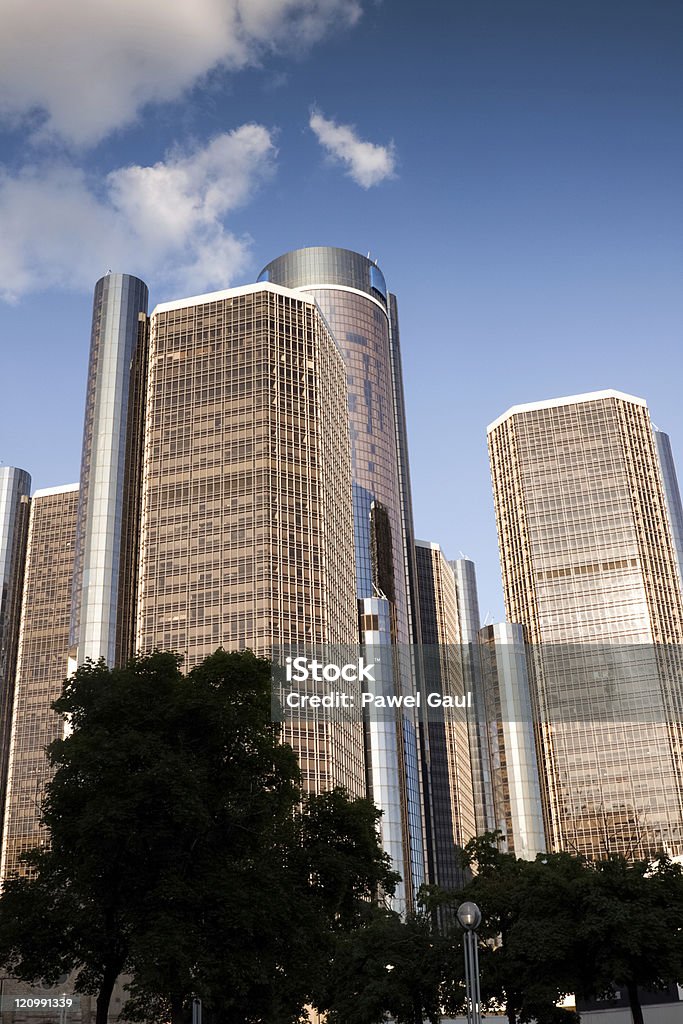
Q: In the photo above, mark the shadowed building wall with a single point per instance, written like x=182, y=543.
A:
x=469, y=622
x=15, y=488
x=452, y=821
x=672, y=494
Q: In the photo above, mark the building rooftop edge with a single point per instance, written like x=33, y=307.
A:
x=428, y=544
x=228, y=293
x=330, y=248
x=503, y=625
x=554, y=403
x=59, y=489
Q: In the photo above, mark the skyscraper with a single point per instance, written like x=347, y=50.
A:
x=469, y=622
x=352, y=294
x=104, y=568
x=590, y=571
x=451, y=822
x=672, y=494
x=511, y=748
x=15, y=488
x=246, y=536
x=41, y=665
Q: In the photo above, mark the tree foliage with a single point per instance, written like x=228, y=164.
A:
x=561, y=924
x=531, y=952
x=181, y=850
x=633, y=927
x=391, y=966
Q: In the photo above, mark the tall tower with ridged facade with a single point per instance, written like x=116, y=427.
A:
x=351, y=291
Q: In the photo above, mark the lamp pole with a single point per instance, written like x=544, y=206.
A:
x=469, y=916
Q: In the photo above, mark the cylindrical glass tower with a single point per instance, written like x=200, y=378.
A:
x=672, y=494
x=15, y=488
x=351, y=292
x=119, y=315
x=469, y=622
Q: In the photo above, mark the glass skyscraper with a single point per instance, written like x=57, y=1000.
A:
x=351, y=292
x=218, y=512
x=108, y=468
x=451, y=818
x=15, y=488
x=589, y=567
x=672, y=494
x=246, y=536
x=511, y=748
x=41, y=665
x=469, y=622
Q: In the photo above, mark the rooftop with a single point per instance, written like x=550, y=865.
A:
x=554, y=403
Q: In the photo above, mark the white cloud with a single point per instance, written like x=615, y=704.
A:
x=164, y=222
x=367, y=163
x=85, y=67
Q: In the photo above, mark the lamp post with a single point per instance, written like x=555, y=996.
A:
x=469, y=916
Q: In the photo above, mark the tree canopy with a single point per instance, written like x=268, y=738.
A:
x=183, y=854
x=391, y=966
x=562, y=925
x=182, y=851
x=633, y=927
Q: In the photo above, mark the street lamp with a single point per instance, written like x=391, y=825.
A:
x=469, y=916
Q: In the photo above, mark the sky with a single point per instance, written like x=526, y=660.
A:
x=516, y=170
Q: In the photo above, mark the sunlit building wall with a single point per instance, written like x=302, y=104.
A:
x=246, y=537
x=15, y=488
x=589, y=569
x=352, y=294
x=512, y=750
x=41, y=666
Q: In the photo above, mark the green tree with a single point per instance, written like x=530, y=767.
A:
x=390, y=966
x=633, y=927
x=84, y=884
x=561, y=925
x=180, y=850
x=531, y=950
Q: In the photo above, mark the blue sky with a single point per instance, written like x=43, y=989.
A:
x=521, y=190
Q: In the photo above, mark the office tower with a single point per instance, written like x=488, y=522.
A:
x=589, y=569
x=15, y=488
x=513, y=764
x=351, y=292
x=672, y=494
x=246, y=536
x=41, y=665
x=469, y=622
x=451, y=822
x=105, y=559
